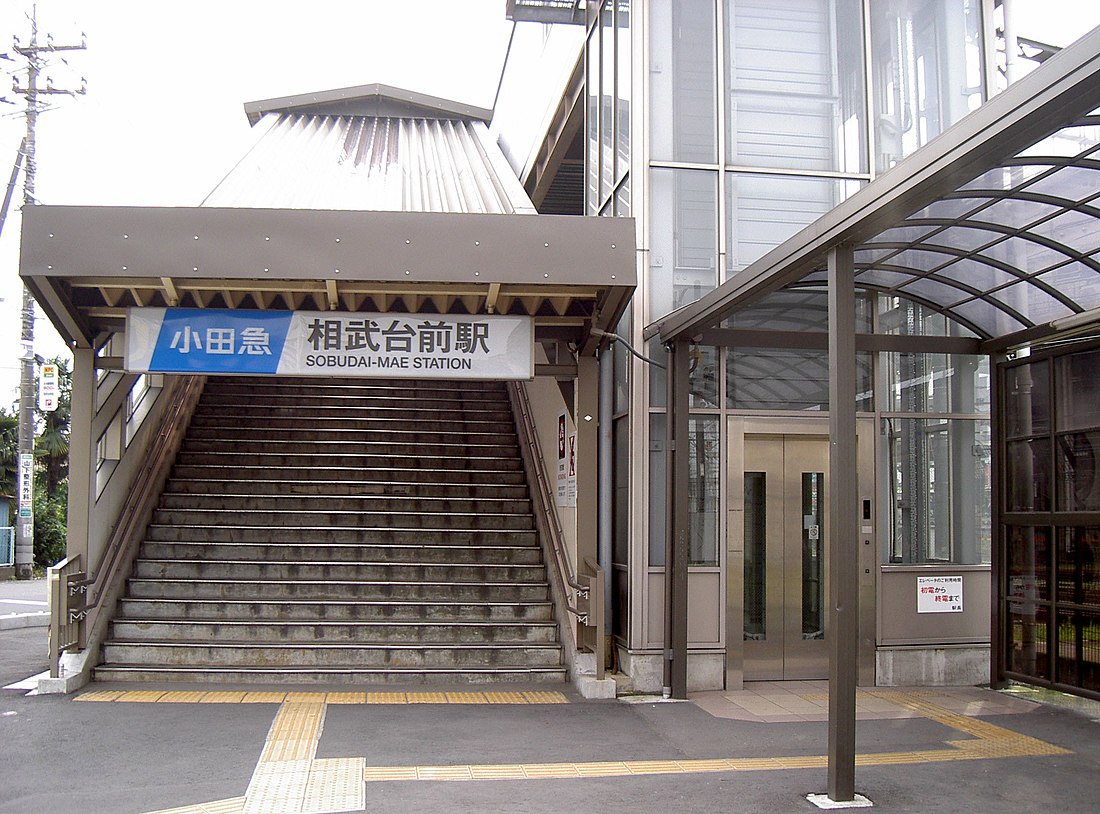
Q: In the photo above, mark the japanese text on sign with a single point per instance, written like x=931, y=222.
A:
x=939, y=594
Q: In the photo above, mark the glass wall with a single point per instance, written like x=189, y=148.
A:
x=607, y=111
x=1051, y=515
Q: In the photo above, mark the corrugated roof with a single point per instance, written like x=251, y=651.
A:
x=372, y=163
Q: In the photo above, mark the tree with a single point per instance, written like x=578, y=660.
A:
x=9, y=451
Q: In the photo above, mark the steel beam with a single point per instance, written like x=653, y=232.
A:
x=677, y=526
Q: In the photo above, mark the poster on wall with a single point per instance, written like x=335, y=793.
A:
x=566, y=493
x=940, y=594
x=320, y=343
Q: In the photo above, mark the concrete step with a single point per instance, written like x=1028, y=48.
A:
x=423, y=490
x=270, y=590
x=456, y=417
x=329, y=535
x=326, y=423
x=313, y=676
x=334, y=654
x=364, y=633
x=329, y=448
x=343, y=519
x=404, y=474
x=338, y=571
x=335, y=611
x=350, y=460
x=394, y=504
x=258, y=385
x=502, y=554
x=352, y=432
x=365, y=400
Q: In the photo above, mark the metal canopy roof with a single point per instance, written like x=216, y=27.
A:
x=995, y=223
x=348, y=211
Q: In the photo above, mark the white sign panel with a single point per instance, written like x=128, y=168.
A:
x=327, y=343
x=939, y=594
x=26, y=485
x=566, y=494
x=47, y=388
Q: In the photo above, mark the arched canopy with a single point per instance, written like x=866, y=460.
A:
x=996, y=223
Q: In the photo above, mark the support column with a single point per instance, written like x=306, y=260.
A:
x=677, y=526
x=587, y=447
x=81, y=453
x=843, y=527
x=607, y=497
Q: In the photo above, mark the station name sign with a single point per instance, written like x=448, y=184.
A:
x=329, y=343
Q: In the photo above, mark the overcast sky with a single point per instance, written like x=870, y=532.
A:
x=162, y=121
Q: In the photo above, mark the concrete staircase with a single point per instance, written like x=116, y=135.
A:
x=341, y=531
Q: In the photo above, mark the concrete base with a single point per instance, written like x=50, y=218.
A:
x=15, y=621
x=706, y=671
x=592, y=687
x=7, y=572
x=75, y=672
x=824, y=802
x=942, y=666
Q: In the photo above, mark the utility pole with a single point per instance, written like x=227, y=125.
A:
x=24, y=524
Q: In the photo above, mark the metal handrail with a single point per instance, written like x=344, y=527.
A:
x=162, y=451
x=65, y=591
x=589, y=613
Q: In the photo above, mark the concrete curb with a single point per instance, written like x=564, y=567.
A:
x=17, y=621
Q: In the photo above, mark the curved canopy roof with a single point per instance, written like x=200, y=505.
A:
x=996, y=223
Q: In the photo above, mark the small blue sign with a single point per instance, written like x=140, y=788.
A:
x=200, y=340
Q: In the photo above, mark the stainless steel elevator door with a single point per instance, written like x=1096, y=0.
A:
x=786, y=518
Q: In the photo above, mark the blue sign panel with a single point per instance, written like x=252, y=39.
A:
x=196, y=340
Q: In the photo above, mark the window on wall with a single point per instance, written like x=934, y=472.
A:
x=927, y=71
x=683, y=253
x=683, y=81
x=607, y=116
x=794, y=74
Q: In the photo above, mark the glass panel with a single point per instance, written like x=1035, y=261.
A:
x=705, y=459
x=1027, y=475
x=658, y=382
x=1028, y=555
x=796, y=311
x=607, y=100
x=813, y=555
x=1078, y=383
x=620, y=591
x=684, y=224
x=703, y=377
x=795, y=77
x=932, y=290
x=1027, y=399
x=1078, y=649
x=965, y=237
x=764, y=210
x=623, y=361
x=683, y=78
x=592, y=124
x=787, y=380
x=1032, y=302
x=939, y=471
x=1028, y=647
x=1080, y=231
x=1015, y=212
x=657, y=463
x=937, y=383
x=756, y=559
x=976, y=274
x=622, y=199
x=1025, y=254
x=927, y=64
x=620, y=489
x=1079, y=282
x=989, y=319
x=1078, y=484
x=1069, y=183
x=1079, y=566
x=622, y=94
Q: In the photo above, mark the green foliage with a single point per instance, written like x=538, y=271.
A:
x=50, y=527
x=51, y=448
x=9, y=451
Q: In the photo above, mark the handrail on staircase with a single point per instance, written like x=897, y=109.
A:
x=182, y=394
x=586, y=587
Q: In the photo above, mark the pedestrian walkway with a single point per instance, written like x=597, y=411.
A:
x=23, y=604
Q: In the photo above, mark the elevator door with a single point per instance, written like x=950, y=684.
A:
x=785, y=595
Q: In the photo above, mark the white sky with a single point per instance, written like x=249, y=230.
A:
x=163, y=118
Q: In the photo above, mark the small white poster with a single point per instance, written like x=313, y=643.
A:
x=940, y=594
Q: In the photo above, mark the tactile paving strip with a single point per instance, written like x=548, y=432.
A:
x=235, y=697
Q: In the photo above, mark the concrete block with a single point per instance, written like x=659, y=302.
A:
x=943, y=666
x=591, y=687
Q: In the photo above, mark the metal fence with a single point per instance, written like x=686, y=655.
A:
x=7, y=545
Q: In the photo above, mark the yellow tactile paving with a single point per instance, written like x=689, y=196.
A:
x=306, y=697
x=335, y=785
x=294, y=733
x=346, y=698
x=277, y=787
x=178, y=697
x=223, y=697
x=426, y=697
x=505, y=698
x=386, y=698
x=99, y=695
x=141, y=696
x=544, y=697
x=263, y=698
x=465, y=698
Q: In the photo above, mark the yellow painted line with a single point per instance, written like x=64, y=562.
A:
x=988, y=741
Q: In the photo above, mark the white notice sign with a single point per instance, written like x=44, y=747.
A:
x=939, y=594
x=566, y=493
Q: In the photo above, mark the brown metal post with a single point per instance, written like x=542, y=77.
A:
x=843, y=527
x=587, y=446
x=82, y=451
x=677, y=527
